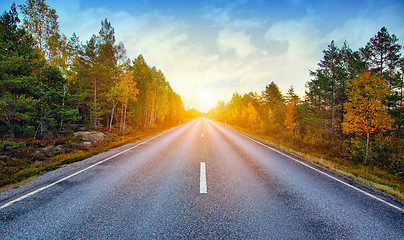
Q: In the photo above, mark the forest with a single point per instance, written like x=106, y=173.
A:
x=352, y=108
x=63, y=100
x=51, y=84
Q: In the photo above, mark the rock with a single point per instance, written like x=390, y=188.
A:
x=53, y=150
x=85, y=144
x=92, y=137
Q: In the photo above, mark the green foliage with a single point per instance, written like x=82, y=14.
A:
x=10, y=145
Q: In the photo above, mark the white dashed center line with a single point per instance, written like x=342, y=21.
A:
x=202, y=185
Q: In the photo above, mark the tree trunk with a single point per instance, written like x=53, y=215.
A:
x=63, y=107
x=124, y=115
x=112, y=114
x=367, y=147
x=95, y=103
x=121, y=125
x=12, y=133
x=399, y=120
x=332, y=114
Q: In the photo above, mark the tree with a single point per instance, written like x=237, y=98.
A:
x=161, y=92
x=142, y=76
x=382, y=52
x=272, y=95
x=383, y=56
x=326, y=92
x=32, y=93
x=252, y=115
x=48, y=81
x=290, y=111
x=218, y=112
x=19, y=61
x=41, y=22
x=365, y=111
x=274, y=107
x=107, y=69
x=122, y=92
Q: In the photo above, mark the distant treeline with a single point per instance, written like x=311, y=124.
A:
x=352, y=107
x=51, y=83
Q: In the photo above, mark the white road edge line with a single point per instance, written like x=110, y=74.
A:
x=326, y=174
x=202, y=183
x=83, y=170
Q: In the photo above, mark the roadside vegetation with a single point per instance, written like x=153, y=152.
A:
x=22, y=159
x=350, y=120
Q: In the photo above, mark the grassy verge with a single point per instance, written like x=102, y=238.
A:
x=374, y=177
x=15, y=171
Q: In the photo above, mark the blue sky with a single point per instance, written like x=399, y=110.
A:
x=209, y=50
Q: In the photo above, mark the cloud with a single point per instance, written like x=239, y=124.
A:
x=358, y=30
x=302, y=36
x=221, y=17
x=200, y=74
x=227, y=50
x=238, y=41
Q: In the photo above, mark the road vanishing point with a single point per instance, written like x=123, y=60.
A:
x=200, y=180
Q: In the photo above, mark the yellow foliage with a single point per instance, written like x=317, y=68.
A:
x=252, y=114
x=290, y=117
x=271, y=117
x=365, y=111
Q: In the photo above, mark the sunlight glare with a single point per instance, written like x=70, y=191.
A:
x=208, y=98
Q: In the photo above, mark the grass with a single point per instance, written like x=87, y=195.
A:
x=373, y=177
x=15, y=172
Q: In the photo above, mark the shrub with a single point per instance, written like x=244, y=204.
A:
x=10, y=145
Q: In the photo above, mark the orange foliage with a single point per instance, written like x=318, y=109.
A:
x=132, y=91
x=365, y=111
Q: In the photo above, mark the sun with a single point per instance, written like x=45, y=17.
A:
x=208, y=98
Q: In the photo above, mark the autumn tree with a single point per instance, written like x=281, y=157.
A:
x=365, y=111
x=124, y=91
x=235, y=107
x=218, y=112
x=252, y=114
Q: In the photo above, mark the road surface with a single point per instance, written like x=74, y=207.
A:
x=200, y=180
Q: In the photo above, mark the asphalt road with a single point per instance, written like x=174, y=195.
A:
x=152, y=190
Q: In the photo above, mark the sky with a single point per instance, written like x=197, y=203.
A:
x=209, y=50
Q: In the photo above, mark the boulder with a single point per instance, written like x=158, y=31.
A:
x=92, y=137
x=53, y=150
x=85, y=144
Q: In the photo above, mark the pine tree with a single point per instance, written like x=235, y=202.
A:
x=274, y=106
